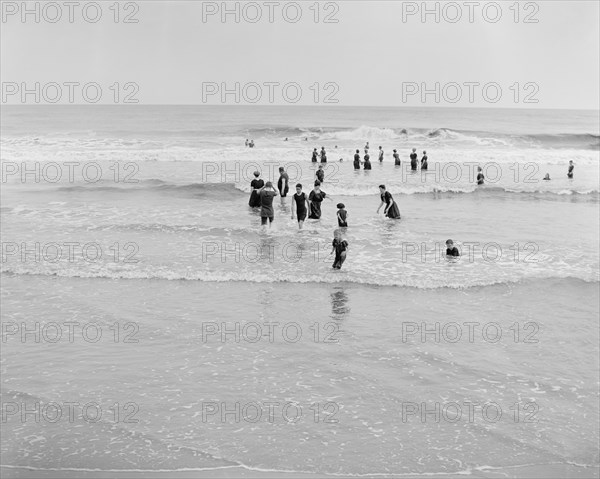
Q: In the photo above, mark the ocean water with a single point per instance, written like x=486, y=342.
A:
x=133, y=221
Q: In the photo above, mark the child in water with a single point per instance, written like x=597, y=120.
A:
x=342, y=216
x=340, y=247
x=571, y=168
x=451, y=250
x=320, y=174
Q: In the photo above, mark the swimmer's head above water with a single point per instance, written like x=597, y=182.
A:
x=257, y=173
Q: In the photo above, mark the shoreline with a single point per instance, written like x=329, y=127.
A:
x=525, y=471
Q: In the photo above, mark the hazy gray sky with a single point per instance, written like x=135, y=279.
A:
x=380, y=53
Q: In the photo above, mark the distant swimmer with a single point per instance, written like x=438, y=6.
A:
x=340, y=246
x=396, y=158
x=301, y=205
x=424, y=165
x=451, y=250
x=320, y=174
x=380, y=154
x=267, y=193
x=342, y=215
x=282, y=184
x=247, y=142
x=251, y=144
x=571, y=168
x=315, y=199
x=480, y=177
x=255, y=185
x=367, y=162
x=391, y=209
x=285, y=139
x=547, y=177
x=323, y=155
x=315, y=156
x=413, y=160
x=357, y=160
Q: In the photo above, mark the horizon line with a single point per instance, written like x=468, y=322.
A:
x=137, y=105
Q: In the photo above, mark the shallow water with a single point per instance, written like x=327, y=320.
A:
x=151, y=295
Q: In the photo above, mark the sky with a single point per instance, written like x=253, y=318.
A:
x=504, y=54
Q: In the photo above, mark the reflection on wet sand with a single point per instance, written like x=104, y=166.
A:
x=339, y=304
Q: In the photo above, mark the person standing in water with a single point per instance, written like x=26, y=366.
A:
x=480, y=177
x=571, y=168
x=282, y=184
x=396, y=158
x=413, y=160
x=301, y=205
x=367, y=147
x=255, y=185
x=315, y=199
x=323, y=155
x=380, y=155
x=342, y=216
x=357, y=160
x=424, y=161
x=267, y=193
x=314, y=156
x=247, y=142
x=367, y=161
x=320, y=174
x=340, y=246
x=391, y=209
